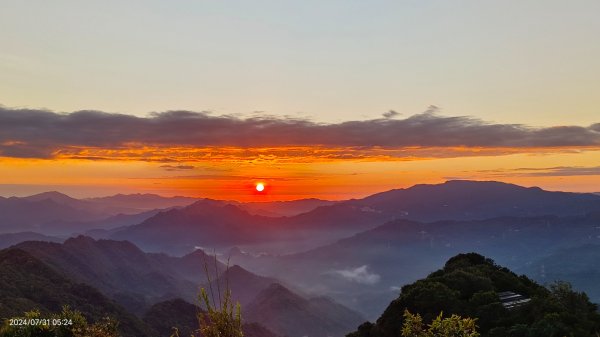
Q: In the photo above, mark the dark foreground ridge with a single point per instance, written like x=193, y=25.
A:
x=469, y=285
x=27, y=284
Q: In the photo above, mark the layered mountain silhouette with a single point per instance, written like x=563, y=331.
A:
x=202, y=223
x=19, y=215
x=289, y=314
x=141, y=202
x=124, y=272
x=138, y=280
x=244, y=285
x=362, y=271
x=283, y=208
x=54, y=213
x=221, y=225
x=26, y=284
x=468, y=200
x=304, y=267
x=9, y=239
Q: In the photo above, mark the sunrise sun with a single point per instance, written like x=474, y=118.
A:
x=260, y=187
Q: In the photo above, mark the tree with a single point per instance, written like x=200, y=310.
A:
x=453, y=326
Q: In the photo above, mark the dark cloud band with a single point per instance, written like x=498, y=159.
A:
x=43, y=134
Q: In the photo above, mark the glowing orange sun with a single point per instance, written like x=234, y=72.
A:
x=260, y=187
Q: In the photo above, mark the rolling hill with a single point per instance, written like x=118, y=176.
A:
x=26, y=284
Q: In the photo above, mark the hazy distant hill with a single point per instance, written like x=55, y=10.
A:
x=142, y=202
x=98, y=208
x=284, y=208
x=289, y=314
x=26, y=284
x=466, y=200
x=366, y=270
x=59, y=198
x=220, y=225
x=19, y=215
x=9, y=239
x=205, y=222
x=54, y=213
x=579, y=265
x=244, y=285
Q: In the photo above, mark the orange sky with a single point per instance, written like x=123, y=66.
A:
x=93, y=153
x=206, y=98
x=292, y=174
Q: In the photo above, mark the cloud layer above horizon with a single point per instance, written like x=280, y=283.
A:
x=169, y=136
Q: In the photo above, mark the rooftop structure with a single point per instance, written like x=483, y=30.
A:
x=512, y=300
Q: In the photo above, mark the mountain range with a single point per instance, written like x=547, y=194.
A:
x=224, y=225
x=304, y=267
x=137, y=281
x=54, y=213
x=366, y=270
x=578, y=265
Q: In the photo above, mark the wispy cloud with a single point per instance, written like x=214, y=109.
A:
x=173, y=135
x=358, y=275
x=177, y=167
x=558, y=171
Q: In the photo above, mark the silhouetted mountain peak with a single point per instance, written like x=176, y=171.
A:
x=236, y=269
x=52, y=195
x=276, y=291
x=196, y=254
x=213, y=206
x=468, y=199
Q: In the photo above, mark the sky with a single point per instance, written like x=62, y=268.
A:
x=329, y=99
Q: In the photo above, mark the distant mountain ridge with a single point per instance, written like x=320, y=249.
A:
x=470, y=200
x=371, y=264
x=212, y=222
x=19, y=215
x=9, y=239
x=142, y=202
x=55, y=213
